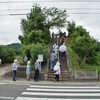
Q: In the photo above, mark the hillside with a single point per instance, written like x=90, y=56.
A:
x=14, y=45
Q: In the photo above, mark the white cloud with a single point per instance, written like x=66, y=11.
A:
x=10, y=29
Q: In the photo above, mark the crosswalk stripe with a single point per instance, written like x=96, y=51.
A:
x=2, y=83
x=29, y=98
x=7, y=98
x=64, y=87
x=61, y=94
x=62, y=90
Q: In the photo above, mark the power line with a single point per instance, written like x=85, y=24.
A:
x=11, y=14
x=83, y=8
x=17, y=1
x=14, y=9
x=85, y=13
x=61, y=8
x=17, y=14
x=50, y=1
x=20, y=14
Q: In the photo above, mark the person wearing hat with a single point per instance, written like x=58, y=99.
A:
x=57, y=71
x=37, y=67
x=28, y=70
x=14, y=69
x=62, y=50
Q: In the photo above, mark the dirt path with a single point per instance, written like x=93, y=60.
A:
x=4, y=68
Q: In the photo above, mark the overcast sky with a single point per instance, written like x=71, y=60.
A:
x=83, y=12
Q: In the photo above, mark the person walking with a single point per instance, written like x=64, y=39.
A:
x=55, y=49
x=57, y=71
x=37, y=67
x=14, y=69
x=52, y=59
x=54, y=45
x=28, y=70
x=61, y=40
x=62, y=50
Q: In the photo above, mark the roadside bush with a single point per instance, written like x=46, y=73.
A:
x=39, y=49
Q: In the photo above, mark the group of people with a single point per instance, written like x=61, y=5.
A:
x=54, y=57
x=54, y=61
x=56, y=52
x=28, y=70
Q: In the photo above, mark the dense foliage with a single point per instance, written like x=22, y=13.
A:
x=9, y=52
x=86, y=48
x=36, y=27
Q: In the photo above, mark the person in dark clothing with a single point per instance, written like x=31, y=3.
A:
x=37, y=67
x=61, y=40
x=52, y=34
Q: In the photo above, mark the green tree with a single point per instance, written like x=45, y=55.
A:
x=85, y=47
x=94, y=56
x=71, y=26
x=75, y=30
x=39, y=21
x=55, y=17
x=39, y=49
x=33, y=50
x=36, y=27
x=7, y=54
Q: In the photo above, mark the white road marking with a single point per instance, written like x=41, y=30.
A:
x=61, y=94
x=8, y=98
x=2, y=83
x=64, y=87
x=39, y=92
x=33, y=98
x=62, y=90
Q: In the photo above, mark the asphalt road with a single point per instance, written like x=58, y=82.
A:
x=45, y=90
x=30, y=90
x=12, y=90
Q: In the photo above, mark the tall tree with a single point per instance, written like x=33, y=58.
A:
x=36, y=26
x=85, y=47
x=71, y=26
x=39, y=21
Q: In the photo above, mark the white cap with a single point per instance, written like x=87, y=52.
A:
x=15, y=60
x=63, y=43
x=28, y=62
x=57, y=63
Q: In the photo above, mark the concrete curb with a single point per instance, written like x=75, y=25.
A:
x=22, y=81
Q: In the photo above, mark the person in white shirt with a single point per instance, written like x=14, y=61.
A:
x=55, y=49
x=57, y=71
x=62, y=50
x=14, y=69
